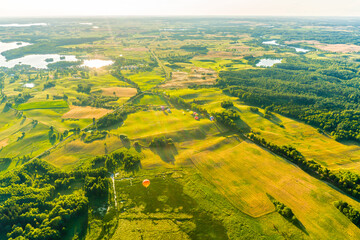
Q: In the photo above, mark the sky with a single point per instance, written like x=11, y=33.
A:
x=48, y=8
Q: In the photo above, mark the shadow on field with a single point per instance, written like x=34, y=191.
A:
x=274, y=119
x=244, y=127
x=22, y=121
x=166, y=154
x=4, y=163
x=5, y=109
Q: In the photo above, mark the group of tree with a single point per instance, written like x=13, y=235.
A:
x=84, y=88
x=178, y=101
x=97, y=101
x=227, y=104
x=161, y=143
x=349, y=211
x=31, y=206
x=49, y=84
x=200, y=49
x=22, y=98
x=283, y=210
x=93, y=135
x=115, y=117
x=120, y=160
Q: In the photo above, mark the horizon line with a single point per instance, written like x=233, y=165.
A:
x=177, y=16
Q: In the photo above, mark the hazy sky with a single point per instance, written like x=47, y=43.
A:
x=9, y=8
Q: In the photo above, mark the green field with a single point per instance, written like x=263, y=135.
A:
x=42, y=105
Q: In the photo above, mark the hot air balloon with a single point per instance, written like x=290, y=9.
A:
x=146, y=183
x=162, y=108
x=211, y=118
x=196, y=118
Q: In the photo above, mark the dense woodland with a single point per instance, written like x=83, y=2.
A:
x=31, y=206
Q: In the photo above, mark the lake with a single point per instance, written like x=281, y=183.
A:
x=39, y=60
x=29, y=85
x=267, y=62
x=301, y=50
x=272, y=42
x=23, y=25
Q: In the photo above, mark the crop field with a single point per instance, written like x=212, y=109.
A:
x=35, y=141
x=339, y=48
x=234, y=170
x=146, y=80
x=149, y=123
x=197, y=76
x=151, y=100
x=279, y=130
x=312, y=144
x=73, y=152
x=78, y=112
x=119, y=91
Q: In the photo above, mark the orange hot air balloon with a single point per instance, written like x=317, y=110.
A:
x=146, y=183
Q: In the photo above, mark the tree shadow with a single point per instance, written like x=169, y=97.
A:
x=5, y=109
x=243, y=126
x=126, y=142
x=137, y=147
x=274, y=119
x=299, y=225
x=22, y=121
x=292, y=218
x=4, y=164
x=166, y=154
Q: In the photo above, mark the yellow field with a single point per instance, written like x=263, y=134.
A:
x=78, y=112
x=70, y=153
x=198, y=76
x=246, y=172
x=150, y=230
x=313, y=145
x=119, y=91
x=283, y=131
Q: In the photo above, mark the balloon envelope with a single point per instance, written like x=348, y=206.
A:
x=146, y=183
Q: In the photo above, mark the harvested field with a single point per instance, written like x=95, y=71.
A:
x=119, y=91
x=138, y=49
x=4, y=142
x=85, y=112
x=198, y=76
x=340, y=48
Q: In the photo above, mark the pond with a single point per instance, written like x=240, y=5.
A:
x=96, y=63
x=29, y=85
x=267, y=62
x=272, y=42
x=302, y=50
